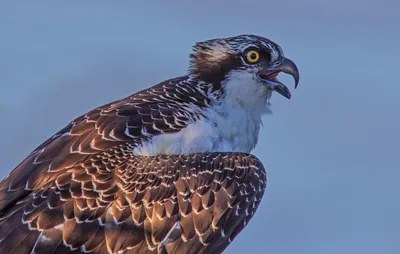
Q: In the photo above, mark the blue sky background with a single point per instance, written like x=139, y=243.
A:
x=332, y=151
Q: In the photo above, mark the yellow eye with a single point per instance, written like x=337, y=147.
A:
x=252, y=56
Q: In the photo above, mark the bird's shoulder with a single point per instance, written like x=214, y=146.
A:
x=84, y=189
x=166, y=107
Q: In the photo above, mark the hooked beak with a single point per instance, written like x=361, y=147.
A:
x=268, y=76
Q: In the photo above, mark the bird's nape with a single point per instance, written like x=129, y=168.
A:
x=215, y=60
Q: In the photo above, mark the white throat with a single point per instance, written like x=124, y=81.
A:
x=243, y=89
x=239, y=112
x=232, y=124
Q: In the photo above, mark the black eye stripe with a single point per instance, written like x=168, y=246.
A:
x=267, y=56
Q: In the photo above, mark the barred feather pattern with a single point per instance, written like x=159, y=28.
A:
x=115, y=205
x=83, y=190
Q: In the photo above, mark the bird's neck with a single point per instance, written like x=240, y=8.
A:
x=242, y=92
x=237, y=115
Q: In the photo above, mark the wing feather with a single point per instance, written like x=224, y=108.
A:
x=153, y=110
x=121, y=222
x=83, y=190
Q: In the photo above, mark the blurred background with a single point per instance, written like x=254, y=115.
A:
x=332, y=151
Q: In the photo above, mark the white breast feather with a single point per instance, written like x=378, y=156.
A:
x=231, y=126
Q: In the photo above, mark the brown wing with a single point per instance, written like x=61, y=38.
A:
x=115, y=202
x=83, y=189
x=164, y=108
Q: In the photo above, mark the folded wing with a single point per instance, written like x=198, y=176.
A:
x=194, y=203
x=83, y=190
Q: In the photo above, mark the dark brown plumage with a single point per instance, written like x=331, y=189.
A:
x=84, y=190
x=115, y=202
x=165, y=170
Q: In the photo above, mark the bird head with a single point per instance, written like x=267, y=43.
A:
x=244, y=66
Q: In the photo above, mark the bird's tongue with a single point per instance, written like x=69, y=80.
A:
x=270, y=75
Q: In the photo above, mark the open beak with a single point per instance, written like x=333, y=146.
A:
x=268, y=76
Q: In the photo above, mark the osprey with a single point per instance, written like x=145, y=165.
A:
x=165, y=170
